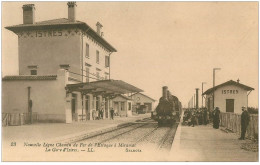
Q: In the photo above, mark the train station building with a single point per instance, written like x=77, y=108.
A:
x=229, y=96
x=64, y=70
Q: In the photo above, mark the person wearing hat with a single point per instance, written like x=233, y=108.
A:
x=245, y=118
x=216, y=118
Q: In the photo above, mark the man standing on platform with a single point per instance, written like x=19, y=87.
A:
x=245, y=118
x=112, y=113
x=205, y=116
x=216, y=118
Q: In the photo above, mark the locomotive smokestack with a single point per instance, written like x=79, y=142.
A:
x=164, y=92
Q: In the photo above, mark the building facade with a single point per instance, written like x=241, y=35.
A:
x=122, y=105
x=44, y=46
x=229, y=96
x=142, y=99
x=58, y=46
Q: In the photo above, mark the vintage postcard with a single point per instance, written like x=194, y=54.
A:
x=130, y=81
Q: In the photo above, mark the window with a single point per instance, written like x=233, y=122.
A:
x=107, y=61
x=33, y=69
x=129, y=106
x=87, y=74
x=97, y=57
x=122, y=106
x=87, y=50
x=97, y=73
x=33, y=72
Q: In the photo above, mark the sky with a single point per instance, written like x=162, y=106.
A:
x=174, y=44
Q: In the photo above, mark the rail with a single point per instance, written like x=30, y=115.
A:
x=232, y=122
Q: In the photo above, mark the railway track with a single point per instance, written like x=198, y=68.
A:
x=141, y=133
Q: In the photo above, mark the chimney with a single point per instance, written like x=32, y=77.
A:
x=99, y=27
x=72, y=11
x=28, y=14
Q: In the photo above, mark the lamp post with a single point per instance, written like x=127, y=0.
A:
x=202, y=93
x=197, y=98
x=214, y=69
x=194, y=106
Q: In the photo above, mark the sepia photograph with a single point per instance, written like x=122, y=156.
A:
x=173, y=81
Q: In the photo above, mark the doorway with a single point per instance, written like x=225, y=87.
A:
x=230, y=105
x=97, y=103
x=87, y=108
x=148, y=107
x=116, y=106
x=106, y=108
x=73, y=107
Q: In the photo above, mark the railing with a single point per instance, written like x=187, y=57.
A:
x=5, y=117
x=232, y=122
x=18, y=118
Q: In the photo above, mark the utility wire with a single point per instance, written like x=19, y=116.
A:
x=84, y=75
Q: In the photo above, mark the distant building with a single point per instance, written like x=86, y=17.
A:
x=122, y=105
x=64, y=70
x=142, y=99
x=229, y=96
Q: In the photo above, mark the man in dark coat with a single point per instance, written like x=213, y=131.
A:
x=245, y=118
x=205, y=116
x=193, y=120
x=112, y=113
x=216, y=118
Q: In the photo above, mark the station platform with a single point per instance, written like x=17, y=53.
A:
x=39, y=132
x=205, y=144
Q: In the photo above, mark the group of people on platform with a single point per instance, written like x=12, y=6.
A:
x=202, y=116
x=98, y=114
x=196, y=117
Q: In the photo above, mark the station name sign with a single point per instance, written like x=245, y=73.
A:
x=229, y=91
x=52, y=33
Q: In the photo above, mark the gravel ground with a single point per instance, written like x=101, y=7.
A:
x=108, y=135
x=250, y=146
x=135, y=135
x=144, y=134
x=167, y=144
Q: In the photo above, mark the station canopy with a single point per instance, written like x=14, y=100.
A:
x=104, y=87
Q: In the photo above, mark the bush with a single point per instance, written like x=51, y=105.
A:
x=252, y=110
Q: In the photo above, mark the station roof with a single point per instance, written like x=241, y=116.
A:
x=124, y=97
x=59, y=24
x=109, y=87
x=230, y=82
x=143, y=95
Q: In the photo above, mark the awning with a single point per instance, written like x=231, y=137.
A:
x=105, y=87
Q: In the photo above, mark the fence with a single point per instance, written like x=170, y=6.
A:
x=18, y=118
x=232, y=121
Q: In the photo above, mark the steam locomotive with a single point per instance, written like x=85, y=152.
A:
x=168, y=110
